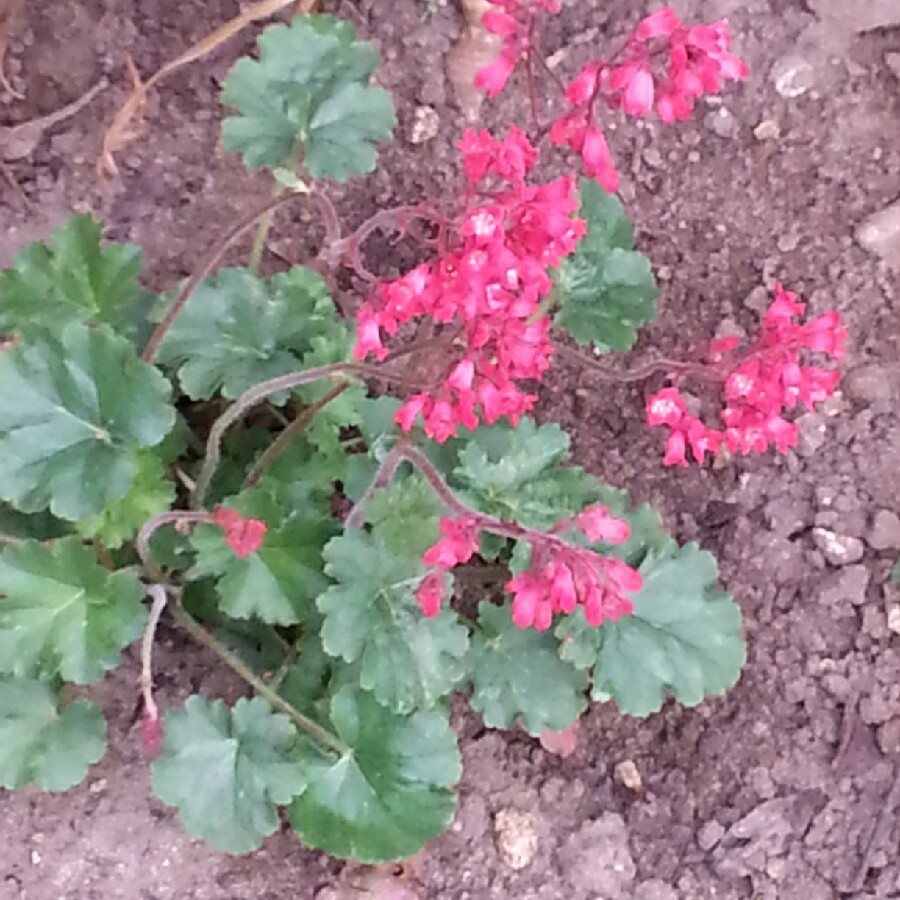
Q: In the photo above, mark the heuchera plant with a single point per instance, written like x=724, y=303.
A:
x=344, y=498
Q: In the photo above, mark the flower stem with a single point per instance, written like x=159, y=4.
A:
x=148, y=529
x=157, y=593
x=383, y=476
x=321, y=735
x=257, y=394
x=292, y=431
x=205, y=267
x=259, y=239
x=651, y=367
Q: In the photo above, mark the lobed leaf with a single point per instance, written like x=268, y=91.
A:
x=279, y=581
x=309, y=91
x=62, y=613
x=683, y=637
x=605, y=290
x=43, y=743
x=74, y=412
x=71, y=278
x=518, y=673
x=150, y=494
x=227, y=770
x=239, y=329
x=407, y=660
x=390, y=794
x=519, y=474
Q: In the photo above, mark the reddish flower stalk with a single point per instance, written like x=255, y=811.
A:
x=562, y=576
x=487, y=286
x=664, y=65
x=759, y=385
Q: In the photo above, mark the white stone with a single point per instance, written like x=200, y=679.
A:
x=880, y=234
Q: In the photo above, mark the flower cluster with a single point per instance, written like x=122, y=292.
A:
x=561, y=576
x=487, y=288
x=665, y=65
x=243, y=536
x=514, y=21
x=763, y=383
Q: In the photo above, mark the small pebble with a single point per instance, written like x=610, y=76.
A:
x=888, y=736
x=885, y=531
x=893, y=618
x=767, y=130
x=516, y=834
x=880, y=234
x=721, y=123
x=839, y=550
x=709, y=834
x=425, y=125
x=893, y=63
x=792, y=76
x=627, y=774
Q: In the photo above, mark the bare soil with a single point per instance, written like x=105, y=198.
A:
x=788, y=787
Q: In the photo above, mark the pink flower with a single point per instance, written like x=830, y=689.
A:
x=493, y=77
x=662, y=23
x=598, y=161
x=499, y=23
x=430, y=594
x=406, y=416
x=515, y=24
x=368, y=339
x=758, y=388
x=457, y=546
x=598, y=525
x=667, y=407
x=675, y=448
x=584, y=85
x=625, y=577
x=636, y=84
x=826, y=334
x=243, y=536
x=563, y=577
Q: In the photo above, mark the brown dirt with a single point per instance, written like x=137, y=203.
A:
x=771, y=792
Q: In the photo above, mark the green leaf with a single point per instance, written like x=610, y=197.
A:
x=518, y=474
x=605, y=289
x=42, y=743
x=517, y=672
x=405, y=516
x=62, y=613
x=150, y=494
x=239, y=329
x=306, y=682
x=310, y=91
x=682, y=639
x=73, y=414
x=227, y=770
x=390, y=794
x=40, y=526
x=71, y=278
x=895, y=572
x=279, y=581
x=407, y=660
